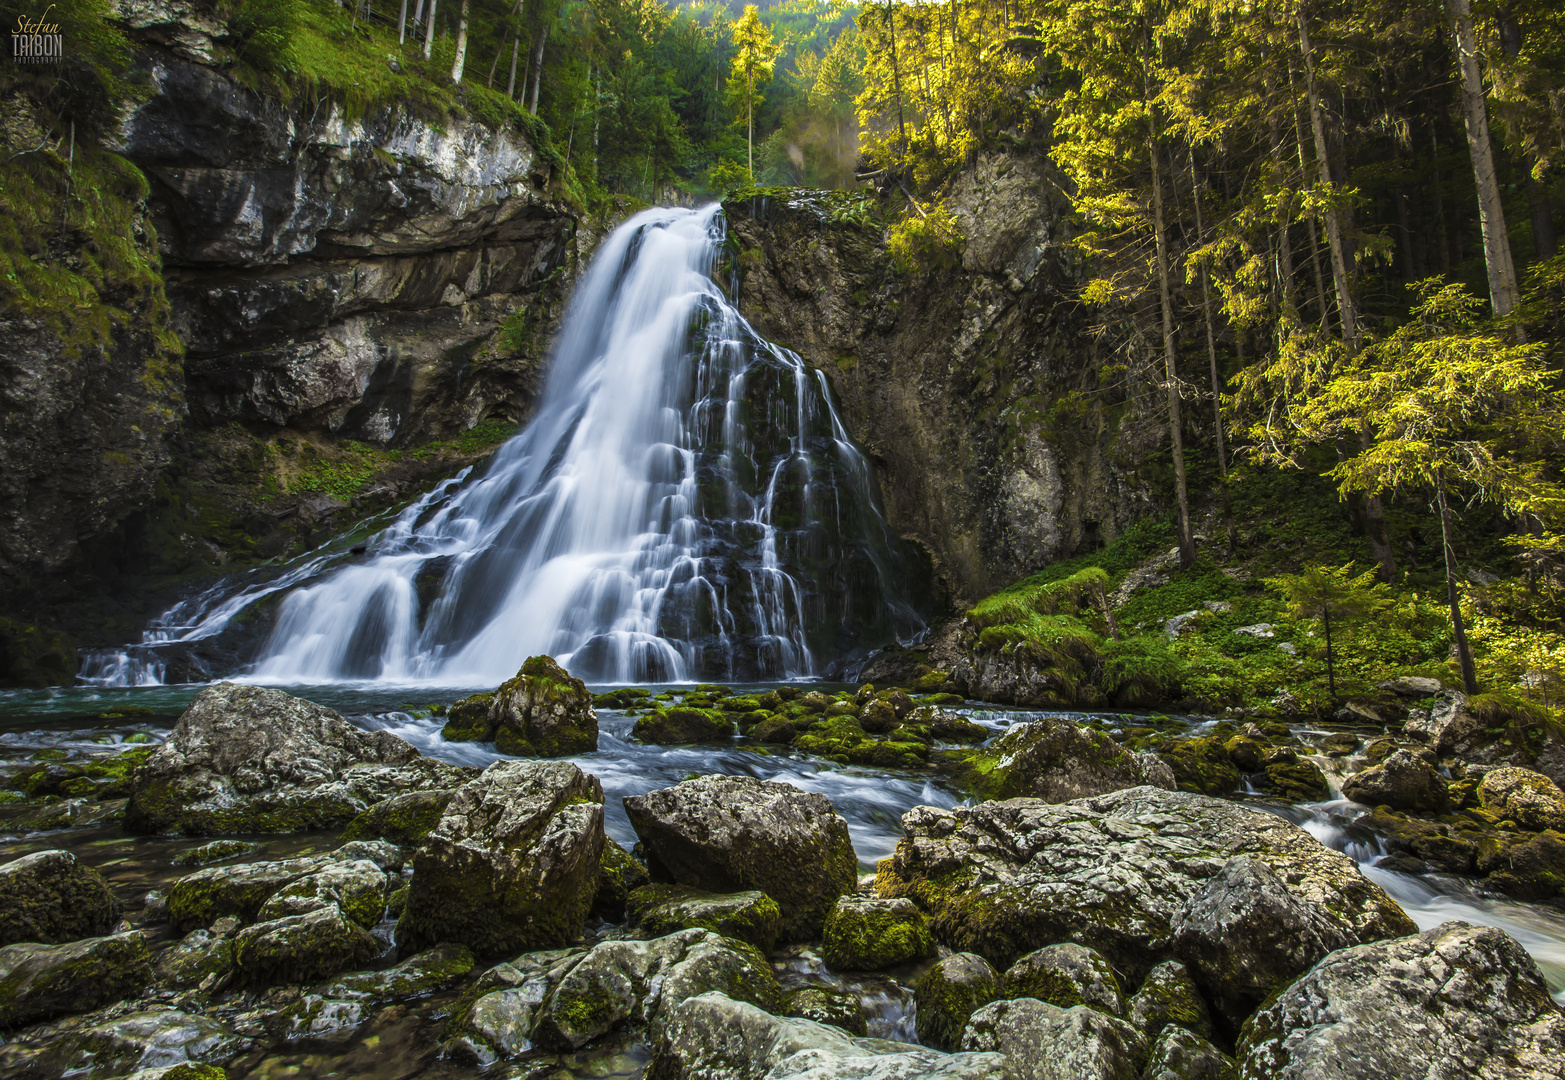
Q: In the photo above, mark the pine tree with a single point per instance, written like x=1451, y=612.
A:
x=755, y=57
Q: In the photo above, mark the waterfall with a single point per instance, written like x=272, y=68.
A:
x=686, y=504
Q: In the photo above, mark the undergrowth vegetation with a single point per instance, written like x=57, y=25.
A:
x=1127, y=626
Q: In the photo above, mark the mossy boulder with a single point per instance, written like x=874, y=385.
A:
x=866, y=933
x=301, y=948
x=949, y=993
x=1243, y=936
x=357, y=887
x=1056, y=761
x=877, y=717
x=1168, y=996
x=542, y=711
x=827, y=1005
x=735, y=833
x=121, y=1043
x=247, y=759
x=1202, y=765
x=1436, y=846
x=51, y=896
x=1525, y=866
x=746, y=916
x=200, y=960
x=402, y=819
x=512, y=865
x=619, y=874
x=1185, y=1055
x=215, y=851
x=39, y=982
x=1295, y=781
x=682, y=725
x=1401, y=781
x=1116, y=870
x=774, y=729
x=626, y=697
x=1526, y=797
x=946, y=726
x=1066, y=975
x=348, y=1001
x=1245, y=753
x=200, y=899
x=621, y=982
x=1074, y=1042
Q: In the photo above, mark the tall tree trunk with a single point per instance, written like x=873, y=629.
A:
x=536, y=65
x=749, y=110
x=1464, y=651
x=1331, y=656
x=896, y=77
x=402, y=23
x=1211, y=357
x=516, y=48
x=1309, y=221
x=429, y=30
x=1290, y=302
x=1491, y=212
x=418, y=17
x=1346, y=308
x=460, y=63
x=1170, y=357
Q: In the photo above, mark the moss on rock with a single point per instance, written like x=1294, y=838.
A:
x=865, y=933
x=1202, y=765
x=827, y=1005
x=750, y=916
x=949, y=993
x=681, y=725
x=619, y=875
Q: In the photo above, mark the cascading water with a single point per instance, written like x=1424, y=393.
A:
x=685, y=505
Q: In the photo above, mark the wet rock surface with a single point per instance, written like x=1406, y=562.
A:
x=249, y=759
x=1118, y=869
x=50, y=897
x=1046, y=1042
x=728, y=834
x=542, y=712
x=1056, y=761
x=39, y=982
x=513, y=863
x=1453, y=1001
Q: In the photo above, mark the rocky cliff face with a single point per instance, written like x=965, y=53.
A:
x=330, y=278
x=967, y=386
x=340, y=274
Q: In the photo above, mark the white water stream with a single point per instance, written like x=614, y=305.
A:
x=686, y=504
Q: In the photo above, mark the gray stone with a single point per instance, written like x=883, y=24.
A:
x=401, y=819
x=1183, y=1055
x=712, y=1037
x=346, y=1002
x=949, y=993
x=542, y=712
x=827, y=1005
x=733, y=833
x=1046, y=1042
x=51, y=896
x=301, y=948
x=663, y=909
x=239, y=890
x=1066, y=975
x=1244, y=936
x=1168, y=995
x=1456, y=1002
x=513, y=863
x=248, y=759
x=1528, y=798
x=153, y=1039
x=201, y=960
x=1056, y=761
x=357, y=887
x=1003, y=878
x=1415, y=686
x=38, y=982
x=1401, y=781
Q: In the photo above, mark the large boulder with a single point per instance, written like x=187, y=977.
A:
x=1056, y=761
x=125, y=1044
x=663, y=909
x=713, y=1037
x=1183, y=1055
x=1066, y=975
x=513, y=863
x=949, y=993
x=1528, y=798
x=680, y=726
x=1046, y=1042
x=1401, y=781
x=1244, y=936
x=619, y=875
x=1003, y=878
x=247, y=759
x=543, y=711
x=200, y=960
x=51, y=896
x=357, y=887
x=302, y=948
x=402, y=819
x=565, y=999
x=38, y=982
x=349, y=877
x=1454, y=1001
x=1168, y=997
x=867, y=933
x=732, y=833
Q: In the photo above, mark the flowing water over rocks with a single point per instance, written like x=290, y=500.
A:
x=686, y=505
